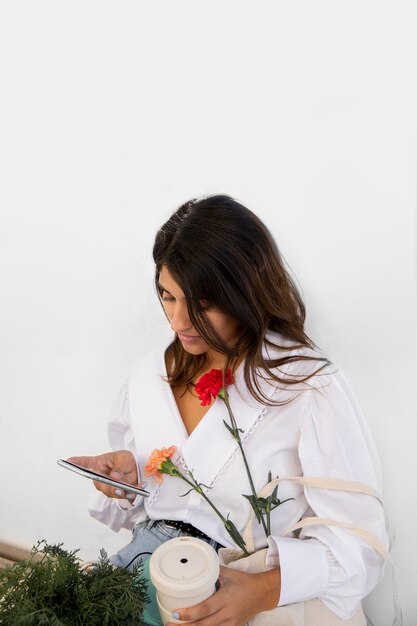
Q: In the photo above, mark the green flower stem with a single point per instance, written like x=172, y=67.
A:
x=268, y=518
x=236, y=536
x=225, y=397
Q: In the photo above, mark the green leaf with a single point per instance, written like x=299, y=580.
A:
x=254, y=504
x=230, y=429
x=234, y=533
x=279, y=502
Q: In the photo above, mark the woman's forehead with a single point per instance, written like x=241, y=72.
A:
x=167, y=282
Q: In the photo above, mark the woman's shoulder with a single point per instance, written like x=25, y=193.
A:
x=296, y=361
x=277, y=345
x=309, y=376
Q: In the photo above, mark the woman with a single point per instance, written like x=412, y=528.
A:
x=232, y=304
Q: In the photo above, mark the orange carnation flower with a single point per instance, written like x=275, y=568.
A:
x=155, y=465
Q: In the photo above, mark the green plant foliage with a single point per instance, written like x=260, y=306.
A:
x=51, y=588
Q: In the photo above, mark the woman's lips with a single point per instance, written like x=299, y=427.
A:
x=187, y=338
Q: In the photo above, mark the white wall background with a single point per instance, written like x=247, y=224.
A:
x=113, y=113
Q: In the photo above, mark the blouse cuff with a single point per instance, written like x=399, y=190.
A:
x=304, y=568
x=127, y=505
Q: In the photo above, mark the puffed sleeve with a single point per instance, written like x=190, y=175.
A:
x=114, y=512
x=328, y=562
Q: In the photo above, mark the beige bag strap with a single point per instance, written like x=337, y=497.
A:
x=330, y=483
x=320, y=483
x=368, y=537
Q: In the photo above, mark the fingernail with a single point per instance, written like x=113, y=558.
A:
x=130, y=496
x=143, y=485
x=118, y=492
x=175, y=615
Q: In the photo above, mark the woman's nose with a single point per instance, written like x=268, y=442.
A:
x=180, y=321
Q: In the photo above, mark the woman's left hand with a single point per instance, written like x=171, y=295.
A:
x=240, y=597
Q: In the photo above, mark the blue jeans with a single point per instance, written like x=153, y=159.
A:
x=146, y=537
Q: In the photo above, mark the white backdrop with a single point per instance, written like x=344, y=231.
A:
x=114, y=113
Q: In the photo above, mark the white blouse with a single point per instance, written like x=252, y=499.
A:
x=319, y=431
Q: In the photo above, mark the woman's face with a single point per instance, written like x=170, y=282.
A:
x=175, y=306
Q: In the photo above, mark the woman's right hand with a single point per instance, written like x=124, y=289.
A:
x=120, y=465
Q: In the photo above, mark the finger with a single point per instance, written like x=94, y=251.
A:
x=118, y=472
x=109, y=490
x=84, y=461
x=106, y=489
x=126, y=495
x=124, y=467
x=115, y=492
x=211, y=610
x=216, y=619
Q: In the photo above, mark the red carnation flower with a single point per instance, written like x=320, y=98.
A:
x=211, y=384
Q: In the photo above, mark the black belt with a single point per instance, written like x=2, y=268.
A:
x=188, y=529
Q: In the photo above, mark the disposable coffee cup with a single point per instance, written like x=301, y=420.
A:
x=184, y=572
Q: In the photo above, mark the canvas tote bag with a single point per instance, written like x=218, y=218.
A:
x=311, y=612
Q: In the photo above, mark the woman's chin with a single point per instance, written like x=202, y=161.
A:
x=195, y=350
x=193, y=345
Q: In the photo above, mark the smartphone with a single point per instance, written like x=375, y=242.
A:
x=101, y=478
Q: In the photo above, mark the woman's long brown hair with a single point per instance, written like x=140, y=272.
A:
x=221, y=254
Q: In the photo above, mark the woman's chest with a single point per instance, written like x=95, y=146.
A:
x=164, y=416
x=189, y=407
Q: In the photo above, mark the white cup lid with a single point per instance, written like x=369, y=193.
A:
x=184, y=566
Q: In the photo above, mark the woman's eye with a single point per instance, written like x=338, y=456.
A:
x=166, y=297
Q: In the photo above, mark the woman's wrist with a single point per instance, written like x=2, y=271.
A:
x=269, y=583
